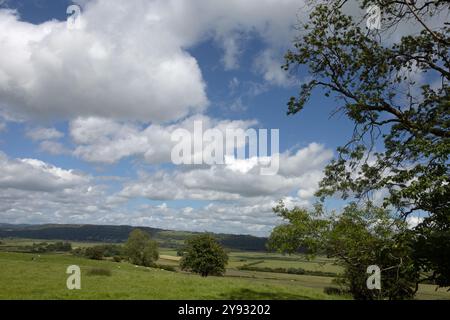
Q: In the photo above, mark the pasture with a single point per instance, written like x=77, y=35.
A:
x=32, y=276
x=22, y=277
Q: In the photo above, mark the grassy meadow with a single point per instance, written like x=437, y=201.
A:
x=43, y=276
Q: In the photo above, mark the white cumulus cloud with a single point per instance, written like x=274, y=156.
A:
x=36, y=175
x=130, y=59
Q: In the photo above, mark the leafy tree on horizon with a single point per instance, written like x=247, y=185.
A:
x=204, y=255
x=371, y=76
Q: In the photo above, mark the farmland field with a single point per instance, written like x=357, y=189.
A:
x=33, y=276
x=45, y=278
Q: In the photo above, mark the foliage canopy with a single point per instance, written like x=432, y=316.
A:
x=394, y=87
x=140, y=249
x=204, y=255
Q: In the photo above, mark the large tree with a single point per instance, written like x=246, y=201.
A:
x=394, y=85
x=140, y=249
x=356, y=238
x=204, y=255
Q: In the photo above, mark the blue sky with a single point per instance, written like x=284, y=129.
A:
x=86, y=114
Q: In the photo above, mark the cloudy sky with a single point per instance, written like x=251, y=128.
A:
x=86, y=114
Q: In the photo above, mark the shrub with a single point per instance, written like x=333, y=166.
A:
x=99, y=272
x=111, y=250
x=95, y=253
x=165, y=267
x=334, y=291
x=61, y=246
x=50, y=247
x=117, y=259
x=250, y=267
x=78, y=251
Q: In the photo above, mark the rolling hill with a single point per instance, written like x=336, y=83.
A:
x=109, y=233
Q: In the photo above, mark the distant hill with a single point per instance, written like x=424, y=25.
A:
x=104, y=233
x=12, y=226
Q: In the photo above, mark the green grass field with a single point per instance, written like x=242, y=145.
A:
x=45, y=278
x=33, y=276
